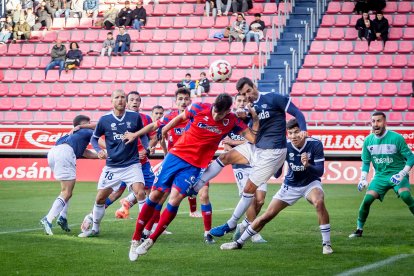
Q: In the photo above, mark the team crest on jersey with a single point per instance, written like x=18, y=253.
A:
x=113, y=126
x=291, y=156
x=128, y=124
x=309, y=155
x=226, y=122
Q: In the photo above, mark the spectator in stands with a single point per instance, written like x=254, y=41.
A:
x=125, y=16
x=376, y=5
x=44, y=16
x=110, y=16
x=63, y=7
x=27, y=4
x=223, y=5
x=58, y=55
x=239, y=5
x=187, y=83
x=211, y=6
x=108, y=44
x=365, y=28
x=122, y=43
x=21, y=30
x=361, y=6
x=157, y=112
x=90, y=9
x=202, y=86
x=139, y=16
x=381, y=27
x=30, y=18
x=73, y=57
x=6, y=33
x=256, y=29
x=12, y=4
x=77, y=8
x=238, y=29
x=17, y=13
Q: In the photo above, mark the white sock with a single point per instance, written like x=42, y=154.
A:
x=245, y=223
x=131, y=199
x=64, y=212
x=247, y=234
x=154, y=226
x=241, y=209
x=146, y=232
x=97, y=214
x=326, y=233
x=141, y=204
x=57, y=206
x=212, y=171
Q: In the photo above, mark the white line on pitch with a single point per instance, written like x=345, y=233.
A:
x=375, y=265
x=77, y=224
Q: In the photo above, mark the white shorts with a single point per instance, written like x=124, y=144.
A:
x=265, y=162
x=242, y=175
x=62, y=161
x=291, y=194
x=112, y=177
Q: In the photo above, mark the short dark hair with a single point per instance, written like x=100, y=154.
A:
x=203, y=73
x=379, y=113
x=257, y=15
x=79, y=119
x=73, y=42
x=292, y=123
x=133, y=93
x=243, y=81
x=182, y=90
x=109, y=33
x=157, y=107
x=223, y=103
x=188, y=74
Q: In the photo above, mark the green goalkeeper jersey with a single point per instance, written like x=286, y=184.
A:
x=388, y=154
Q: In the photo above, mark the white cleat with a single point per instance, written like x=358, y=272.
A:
x=258, y=239
x=88, y=234
x=166, y=232
x=47, y=226
x=133, y=256
x=87, y=222
x=327, y=249
x=144, y=247
x=196, y=214
x=231, y=246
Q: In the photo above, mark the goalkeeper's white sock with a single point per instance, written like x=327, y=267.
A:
x=97, y=214
x=326, y=233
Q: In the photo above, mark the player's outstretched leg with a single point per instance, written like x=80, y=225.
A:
x=407, y=198
x=207, y=213
x=363, y=214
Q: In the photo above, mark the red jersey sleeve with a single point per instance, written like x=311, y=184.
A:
x=195, y=108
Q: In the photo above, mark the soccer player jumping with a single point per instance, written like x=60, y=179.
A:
x=392, y=161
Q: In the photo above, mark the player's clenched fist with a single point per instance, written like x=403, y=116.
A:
x=304, y=159
x=102, y=154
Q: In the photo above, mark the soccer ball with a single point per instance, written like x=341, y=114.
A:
x=220, y=70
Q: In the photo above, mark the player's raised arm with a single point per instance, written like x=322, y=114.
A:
x=131, y=136
x=78, y=127
x=250, y=134
x=295, y=112
x=174, y=122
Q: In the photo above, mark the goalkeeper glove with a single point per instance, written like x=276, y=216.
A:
x=363, y=183
x=397, y=178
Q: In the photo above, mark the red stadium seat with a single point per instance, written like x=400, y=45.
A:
x=298, y=89
x=359, y=89
x=27, y=49
x=4, y=89
x=345, y=47
x=207, y=22
x=236, y=48
x=334, y=7
x=348, y=118
x=145, y=35
x=409, y=118
x=180, y=48
x=394, y=119
x=58, y=89
x=331, y=47
x=338, y=34
x=331, y=119
x=384, y=104
x=395, y=75
x=399, y=20
x=35, y=104
x=6, y=103
x=85, y=23
x=363, y=118
x=93, y=103
x=385, y=61
x=328, y=21
x=26, y=117
x=401, y=60
x=344, y=88
x=334, y=75
x=353, y=104
x=391, y=47
x=307, y=104
x=411, y=105
x=186, y=9
x=14, y=49
x=49, y=104
x=29, y=90
x=355, y=61
x=50, y=37
x=340, y=61
x=322, y=103
x=310, y=61
x=408, y=74
x=43, y=89
x=63, y=104
x=328, y=89
x=304, y=75
x=395, y=33
x=24, y=76
x=116, y=62
x=160, y=10
x=187, y=35
x=404, y=7
x=152, y=48
x=78, y=103
x=361, y=47
x=370, y=61
x=364, y=75
x=6, y=62
x=194, y=22
x=158, y=89
x=323, y=34
x=325, y=61
x=166, y=22
x=369, y=103
x=55, y=118
x=72, y=23
x=317, y=47
x=19, y=104
x=349, y=74
x=406, y=89
x=136, y=76
x=400, y=104
x=342, y=21
x=375, y=47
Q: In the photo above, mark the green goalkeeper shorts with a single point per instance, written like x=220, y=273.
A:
x=381, y=185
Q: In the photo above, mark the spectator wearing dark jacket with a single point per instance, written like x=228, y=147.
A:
x=203, y=86
x=125, y=16
x=365, y=28
x=73, y=57
x=256, y=29
x=122, y=42
x=44, y=16
x=139, y=16
x=58, y=55
x=381, y=27
x=90, y=8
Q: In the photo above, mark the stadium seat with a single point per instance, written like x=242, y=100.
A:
x=63, y=104
x=345, y=47
x=207, y=22
x=406, y=89
x=384, y=104
x=159, y=10
x=400, y=104
x=158, y=89
x=136, y=76
x=331, y=119
x=400, y=60
x=78, y=103
x=359, y=89
x=408, y=74
x=355, y=61
x=375, y=47
x=19, y=104
x=409, y=118
x=194, y=22
x=166, y=22
x=92, y=76
x=394, y=75
x=353, y=104
x=149, y=102
x=322, y=103
x=366, y=75
x=29, y=90
x=310, y=61
x=180, y=48
x=316, y=118
x=334, y=75
x=185, y=10
x=325, y=61
x=338, y=33
x=58, y=89
x=340, y=61
x=10, y=117
x=151, y=76
x=145, y=35
x=328, y=89
x=323, y=34
x=343, y=89
x=116, y=62
x=49, y=103
x=307, y=103
x=361, y=47
x=133, y=61
x=6, y=103
x=14, y=49
x=208, y=48
x=338, y=103
x=85, y=23
x=4, y=89
x=347, y=119
x=72, y=23
x=236, y=48
x=394, y=118
x=6, y=62
x=298, y=89
x=399, y=20
x=304, y=75
x=349, y=74
x=331, y=47
x=173, y=61
x=187, y=35
x=35, y=104
x=55, y=118
x=24, y=76
x=411, y=105
x=26, y=117
x=328, y=21
x=368, y=104
x=317, y=47
x=391, y=47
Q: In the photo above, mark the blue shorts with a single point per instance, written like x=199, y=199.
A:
x=178, y=173
x=148, y=175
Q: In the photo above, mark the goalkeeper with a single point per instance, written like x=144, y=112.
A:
x=392, y=161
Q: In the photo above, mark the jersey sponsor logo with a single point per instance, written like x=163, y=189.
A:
x=209, y=128
x=226, y=122
x=113, y=126
x=7, y=138
x=383, y=160
x=382, y=149
x=179, y=130
x=117, y=136
x=236, y=137
x=297, y=168
x=42, y=139
x=264, y=115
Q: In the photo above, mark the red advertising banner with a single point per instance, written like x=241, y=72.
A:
x=38, y=139
x=37, y=169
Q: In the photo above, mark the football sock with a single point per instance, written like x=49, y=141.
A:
x=193, y=204
x=131, y=199
x=247, y=234
x=207, y=212
x=97, y=213
x=64, y=212
x=364, y=210
x=245, y=223
x=155, y=218
x=57, y=206
x=241, y=209
x=140, y=204
x=408, y=199
x=143, y=217
x=326, y=233
x=108, y=202
x=212, y=171
x=167, y=216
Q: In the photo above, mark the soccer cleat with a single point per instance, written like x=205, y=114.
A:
x=63, y=223
x=195, y=214
x=327, y=249
x=121, y=213
x=231, y=246
x=87, y=222
x=144, y=247
x=47, y=226
x=133, y=256
x=208, y=239
x=356, y=234
x=258, y=239
x=125, y=203
x=221, y=230
x=239, y=231
x=88, y=234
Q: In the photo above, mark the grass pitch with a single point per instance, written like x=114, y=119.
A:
x=293, y=248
